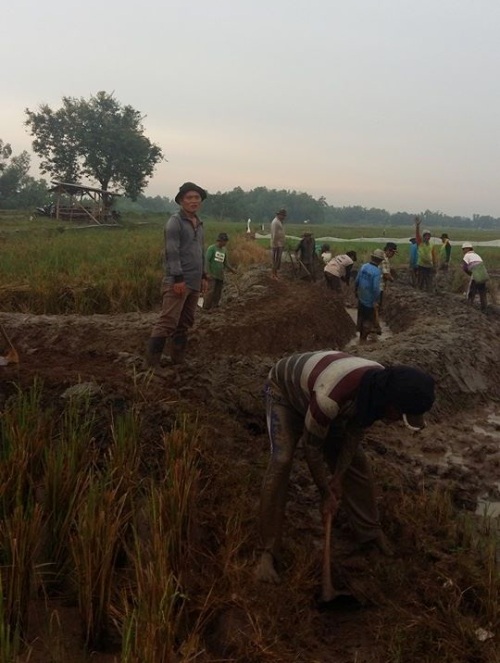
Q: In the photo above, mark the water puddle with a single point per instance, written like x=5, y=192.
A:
x=495, y=434
x=372, y=338
x=478, y=454
x=488, y=509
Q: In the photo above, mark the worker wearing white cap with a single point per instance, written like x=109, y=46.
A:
x=473, y=265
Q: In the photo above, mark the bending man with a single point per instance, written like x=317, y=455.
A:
x=327, y=400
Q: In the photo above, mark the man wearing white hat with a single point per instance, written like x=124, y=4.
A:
x=473, y=265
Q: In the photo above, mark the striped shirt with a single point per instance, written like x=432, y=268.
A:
x=319, y=385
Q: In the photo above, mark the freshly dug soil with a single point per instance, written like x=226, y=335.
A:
x=230, y=353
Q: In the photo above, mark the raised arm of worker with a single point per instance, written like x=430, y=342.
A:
x=417, y=230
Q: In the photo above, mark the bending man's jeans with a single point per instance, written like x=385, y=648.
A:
x=285, y=427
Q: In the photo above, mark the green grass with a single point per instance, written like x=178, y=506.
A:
x=67, y=515
x=50, y=268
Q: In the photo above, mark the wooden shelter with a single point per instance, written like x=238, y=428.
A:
x=76, y=202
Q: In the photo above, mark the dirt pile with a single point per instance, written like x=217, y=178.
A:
x=232, y=349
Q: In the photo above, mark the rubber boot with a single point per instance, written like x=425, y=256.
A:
x=178, y=349
x=154, y=350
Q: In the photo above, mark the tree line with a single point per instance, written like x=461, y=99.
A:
x=104, y=141
x=261, y=204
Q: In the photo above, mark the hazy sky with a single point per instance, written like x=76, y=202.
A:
x=380, y=103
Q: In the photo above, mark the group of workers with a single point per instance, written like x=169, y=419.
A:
x=324, y=399
x=427, y=260
x=370, y=281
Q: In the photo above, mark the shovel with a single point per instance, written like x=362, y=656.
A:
x=332, y=599
x=304, y=268
x=327, y=591
x=376, y=319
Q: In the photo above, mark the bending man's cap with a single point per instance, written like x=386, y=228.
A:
x=189, y=186
x=409, y=390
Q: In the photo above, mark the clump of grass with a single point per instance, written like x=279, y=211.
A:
x=123, y=452
x=456, y=594
x=24, y=432
x=178, y=469
x=25, y=429
x=153, y=603
x=19, y=540
x=244, y=252
x=70, y=273
x=97, y=532
x=10, y=638
x=67, y=461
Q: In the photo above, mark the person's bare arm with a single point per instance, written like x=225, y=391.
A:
x=417, y=230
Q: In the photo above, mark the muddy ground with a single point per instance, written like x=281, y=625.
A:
x=231, y=351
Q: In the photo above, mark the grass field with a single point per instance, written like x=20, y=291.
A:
x=93, y=517
x=50, y=267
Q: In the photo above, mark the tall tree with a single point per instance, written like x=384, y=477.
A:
x=13, y=173
x=96, y=138
x=5, y=154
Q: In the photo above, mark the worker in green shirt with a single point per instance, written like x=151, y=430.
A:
x=426, y=266
x=216, y=263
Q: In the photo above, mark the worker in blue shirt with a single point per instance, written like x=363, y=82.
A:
x=367, y=289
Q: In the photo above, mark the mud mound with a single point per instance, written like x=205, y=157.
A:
x=278, y=317
x=458, y=345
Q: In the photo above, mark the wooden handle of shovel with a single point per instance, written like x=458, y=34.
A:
x=327, y=591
